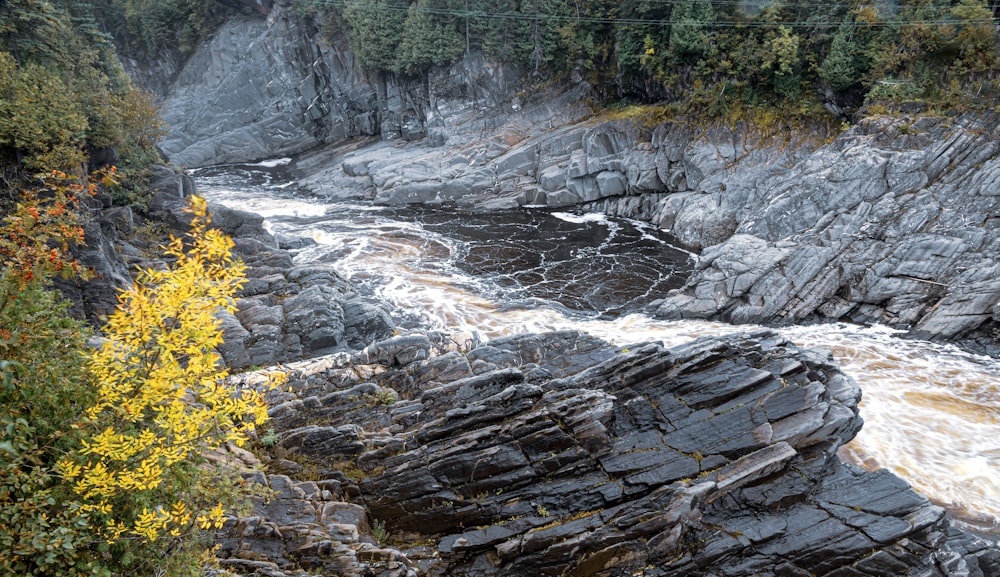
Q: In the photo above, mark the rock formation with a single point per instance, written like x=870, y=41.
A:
x=558, y=455
x=892, y=222
x=266, y=87
x=285, y=312
x=895, y=221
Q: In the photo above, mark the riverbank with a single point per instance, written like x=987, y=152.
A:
x=892, y=220
x=386, y=398
x=890, y=223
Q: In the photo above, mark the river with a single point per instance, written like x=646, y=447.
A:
x=931, y=410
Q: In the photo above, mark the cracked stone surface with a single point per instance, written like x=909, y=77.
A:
x=564, y=456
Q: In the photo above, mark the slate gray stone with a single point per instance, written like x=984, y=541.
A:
x=713, y=458
x=851, y=224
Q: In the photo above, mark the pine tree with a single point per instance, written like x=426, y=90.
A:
x=689, y=35
x=376, y=31
x=431, y=37
x=840, y=69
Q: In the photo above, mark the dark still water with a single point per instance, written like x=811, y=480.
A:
x=587, y=262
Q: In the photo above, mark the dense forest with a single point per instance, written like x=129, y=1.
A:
x=712, y=54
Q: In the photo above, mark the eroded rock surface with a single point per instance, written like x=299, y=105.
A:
x=560, y=455
x=895, y=221
x=891, y=223
x=285, y=312
x=265, y=87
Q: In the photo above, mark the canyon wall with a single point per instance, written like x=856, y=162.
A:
x=894, y=221
x=558, y=454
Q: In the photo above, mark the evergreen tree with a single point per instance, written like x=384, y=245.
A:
x=587, y=39
x=36, y=31
x=63, y=91
x=542, y=44
x=689, y=30
x=975, y=37
x=376, y=31
x=494, y=27
x=431, y=36
x=840, y=69
x=40, y=121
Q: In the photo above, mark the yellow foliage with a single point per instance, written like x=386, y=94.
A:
x=162, y=396
x=212, y=519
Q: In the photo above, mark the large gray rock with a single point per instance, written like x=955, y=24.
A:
x=306, y=526
x=560, y=456
x=266, y=87
x=300, y=312
x=255, y=91
x=882, y=225
x=95, y=297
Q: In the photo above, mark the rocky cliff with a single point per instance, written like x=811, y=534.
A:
x=264, y=87
x=557, y=454
x=894, y=221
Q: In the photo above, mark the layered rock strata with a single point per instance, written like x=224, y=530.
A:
x=559, y=455
x=891, y=223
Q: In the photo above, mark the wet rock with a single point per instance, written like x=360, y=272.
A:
x=568, y=458
x=304, y=312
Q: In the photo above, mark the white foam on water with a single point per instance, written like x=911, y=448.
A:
x=272, y=163
x=931, y=411
x=581, y=218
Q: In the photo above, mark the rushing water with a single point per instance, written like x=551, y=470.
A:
x=931, y=411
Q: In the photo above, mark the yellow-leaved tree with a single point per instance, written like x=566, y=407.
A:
x=103, y=468
x=162, y=399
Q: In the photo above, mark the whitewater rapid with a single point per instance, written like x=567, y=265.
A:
x=931, y=410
